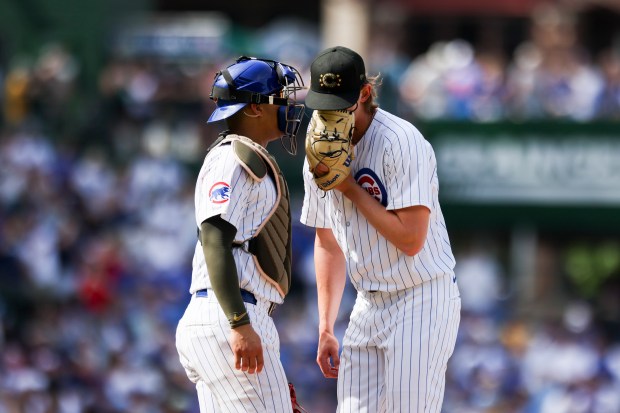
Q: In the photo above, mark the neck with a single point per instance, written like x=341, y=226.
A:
x=254, y=133
x=362, y=124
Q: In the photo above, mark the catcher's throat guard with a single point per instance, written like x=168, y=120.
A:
x=329, y=150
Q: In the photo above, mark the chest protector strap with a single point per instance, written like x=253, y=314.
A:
x=271, y=246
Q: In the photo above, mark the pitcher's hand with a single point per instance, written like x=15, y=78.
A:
x=327, y=356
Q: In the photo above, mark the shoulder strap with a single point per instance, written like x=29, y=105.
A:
x=250, y=160
x=218, y=141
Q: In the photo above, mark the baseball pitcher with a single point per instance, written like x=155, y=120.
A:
x=371, y=192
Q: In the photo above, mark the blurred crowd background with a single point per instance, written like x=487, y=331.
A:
x=102, y=132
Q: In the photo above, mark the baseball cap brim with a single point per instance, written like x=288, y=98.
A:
x=225, y=112
x=330, y=101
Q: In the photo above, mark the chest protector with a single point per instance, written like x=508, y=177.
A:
x=271, y=246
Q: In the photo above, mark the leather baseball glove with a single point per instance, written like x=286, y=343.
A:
x=328, y=146
x=296, y=406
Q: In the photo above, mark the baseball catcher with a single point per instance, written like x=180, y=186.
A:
x=328, y=146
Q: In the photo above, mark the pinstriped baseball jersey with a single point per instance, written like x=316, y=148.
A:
x=225, y=188
x=403, y=326
x=396, y=165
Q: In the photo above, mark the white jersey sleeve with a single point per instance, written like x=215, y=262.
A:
x=313, y=211
x=409, y=164
x=223, y=188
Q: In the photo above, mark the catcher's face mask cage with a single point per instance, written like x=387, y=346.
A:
x=252, y=80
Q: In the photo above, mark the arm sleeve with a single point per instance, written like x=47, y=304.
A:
x=223, y=188
x=408, y=162
x=313, y=213
x=216, y=236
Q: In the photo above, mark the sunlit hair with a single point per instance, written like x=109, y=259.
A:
x=374, y=81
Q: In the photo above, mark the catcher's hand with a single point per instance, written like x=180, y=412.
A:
x=328, y=146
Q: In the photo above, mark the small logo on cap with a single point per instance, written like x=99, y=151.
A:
x=329, y=80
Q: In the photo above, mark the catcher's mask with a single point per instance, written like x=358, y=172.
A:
x=253, y=80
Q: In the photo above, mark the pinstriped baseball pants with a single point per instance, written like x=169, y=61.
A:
x=396, y=349
x=205, y=353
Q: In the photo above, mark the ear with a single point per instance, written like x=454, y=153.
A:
x=365, y=93
x=255, y=109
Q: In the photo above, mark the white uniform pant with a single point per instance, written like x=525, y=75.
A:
x=202, y=341
x=396, y=349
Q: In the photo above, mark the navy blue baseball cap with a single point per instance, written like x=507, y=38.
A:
x=336, y=77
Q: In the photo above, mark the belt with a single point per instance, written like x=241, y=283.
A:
x=247, y=297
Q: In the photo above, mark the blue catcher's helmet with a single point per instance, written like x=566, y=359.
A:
x=252, y=80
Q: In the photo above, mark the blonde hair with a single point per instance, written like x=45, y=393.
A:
x=374, y=81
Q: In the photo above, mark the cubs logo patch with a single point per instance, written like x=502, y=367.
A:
x=368, y=179
x=219, y=193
